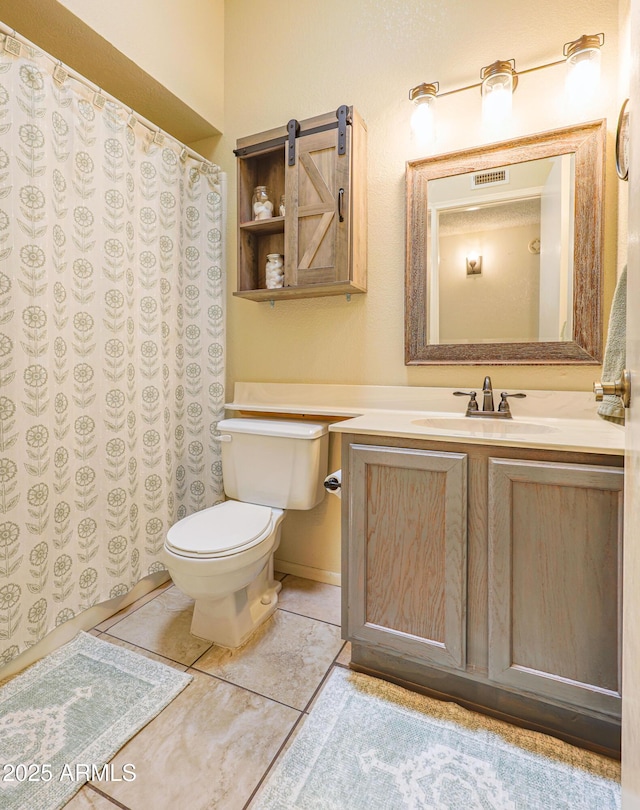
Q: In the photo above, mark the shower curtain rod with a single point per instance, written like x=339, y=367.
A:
x=73, y=74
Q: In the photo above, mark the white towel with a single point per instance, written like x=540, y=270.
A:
x=611, y=407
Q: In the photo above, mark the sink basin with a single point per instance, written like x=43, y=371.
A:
x=484, y=427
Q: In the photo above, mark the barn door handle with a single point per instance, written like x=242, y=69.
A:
x=340, y=201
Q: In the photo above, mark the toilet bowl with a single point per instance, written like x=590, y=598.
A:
x=222, y=556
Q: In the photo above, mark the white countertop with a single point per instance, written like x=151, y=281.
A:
x=577, y=435
x=554, y=420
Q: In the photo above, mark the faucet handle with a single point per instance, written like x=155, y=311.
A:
x=473, y=405
x=503, y=407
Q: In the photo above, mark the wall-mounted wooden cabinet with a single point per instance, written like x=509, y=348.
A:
x=320, y=166
x=489, y=575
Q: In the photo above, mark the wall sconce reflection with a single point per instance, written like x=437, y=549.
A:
x=474, y=264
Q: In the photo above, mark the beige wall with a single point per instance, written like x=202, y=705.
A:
x=178, y=42
x=503, y=301
x=164, y=60
x=298, y=59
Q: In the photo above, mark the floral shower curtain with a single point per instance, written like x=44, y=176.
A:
x=111, y=345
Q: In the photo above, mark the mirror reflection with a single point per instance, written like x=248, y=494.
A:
x=504, y=251
x=500, y=253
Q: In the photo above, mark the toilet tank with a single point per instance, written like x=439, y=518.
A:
x=274, y=462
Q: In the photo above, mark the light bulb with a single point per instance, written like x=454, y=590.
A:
x=583, y=68
x=423, y=120
x=499, y=80
x=497, y=105
x=583, y=76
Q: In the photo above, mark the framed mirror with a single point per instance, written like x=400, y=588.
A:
x=504, y=252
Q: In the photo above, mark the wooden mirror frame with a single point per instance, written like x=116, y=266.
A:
x=587, y=143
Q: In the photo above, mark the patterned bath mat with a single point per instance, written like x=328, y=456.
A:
x=372, y=745
x=65, y=717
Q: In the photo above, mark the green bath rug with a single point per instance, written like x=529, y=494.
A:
x=371, y=745
x=65, y=717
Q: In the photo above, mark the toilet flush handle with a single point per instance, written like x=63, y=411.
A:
x=222, y=437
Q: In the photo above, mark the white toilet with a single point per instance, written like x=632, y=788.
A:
x=223, y=556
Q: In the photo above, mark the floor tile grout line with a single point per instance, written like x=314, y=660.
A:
x=115, y=802
x=154, y=652
x=302, y=717
x=275, y=759
x=213, y=644
x=246, y=689
x=135, y=610
x=319, y=687
x=305, y=616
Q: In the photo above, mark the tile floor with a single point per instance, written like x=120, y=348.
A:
x=215, y=743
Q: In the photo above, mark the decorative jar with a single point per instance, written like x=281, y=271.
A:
x=262, y=205
x=274, y=271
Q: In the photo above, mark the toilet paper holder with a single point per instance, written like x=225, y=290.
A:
x=332, y=484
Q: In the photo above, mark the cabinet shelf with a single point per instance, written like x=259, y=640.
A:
x=323, y=234
x=263, y=226
x=310, y=291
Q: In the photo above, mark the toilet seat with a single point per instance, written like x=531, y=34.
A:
x=221, y=530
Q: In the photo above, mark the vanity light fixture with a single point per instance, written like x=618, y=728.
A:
x=474, y=264
x=583, y=67
x=499, y=79
x=423, y=120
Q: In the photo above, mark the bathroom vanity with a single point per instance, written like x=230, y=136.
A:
x=488, y=574
x=481, y=558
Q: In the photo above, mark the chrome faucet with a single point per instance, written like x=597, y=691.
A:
x=488, y=408
x=487, y=395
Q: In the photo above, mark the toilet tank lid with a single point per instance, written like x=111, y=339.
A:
x=287, y=428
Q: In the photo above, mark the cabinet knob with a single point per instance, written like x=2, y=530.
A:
x=620, y=388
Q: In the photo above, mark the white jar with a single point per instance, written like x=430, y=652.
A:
x=274, y=271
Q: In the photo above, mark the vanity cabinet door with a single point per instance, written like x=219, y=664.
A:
x=407, y=552
x=555, y=537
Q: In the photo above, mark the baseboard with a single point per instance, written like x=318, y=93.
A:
x=83, y=621
x=307, y=572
